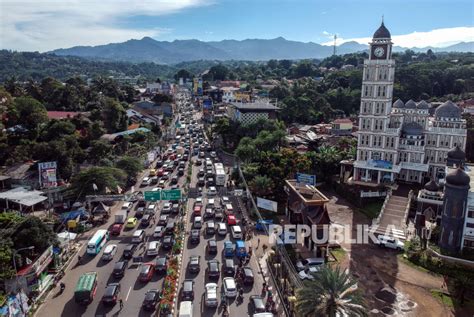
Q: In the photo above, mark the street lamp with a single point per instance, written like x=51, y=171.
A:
x=14, y=267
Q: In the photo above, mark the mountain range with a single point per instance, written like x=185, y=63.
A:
x=164, y=52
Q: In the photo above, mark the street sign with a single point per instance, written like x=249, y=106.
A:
x=152, y=196
x=306, y=179
x=171, y=194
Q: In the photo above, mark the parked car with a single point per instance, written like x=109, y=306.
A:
x=230, y=288
x=194, y=264
x=119, y=268
x=213, y=269
x=111, y=294
x=229, y=267
x=152, y=298
x=187, y=290
x=212, y=246
x=390, y=242
x=302, y=264
x=248, y=276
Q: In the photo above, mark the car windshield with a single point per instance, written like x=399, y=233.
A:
x=109, y=291
x=145, y=269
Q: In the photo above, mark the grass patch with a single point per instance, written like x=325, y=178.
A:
x=447, y=300
x=338, y=254
x=372, y=209
x=405, y=260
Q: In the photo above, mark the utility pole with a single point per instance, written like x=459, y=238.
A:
x=334, y=48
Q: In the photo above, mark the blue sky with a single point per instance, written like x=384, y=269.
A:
x=44, y=25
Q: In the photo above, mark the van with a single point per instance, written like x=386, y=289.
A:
x=236, y=232
x=229, y=209
x=186, y=309
x=221, y=229
x=138, y=236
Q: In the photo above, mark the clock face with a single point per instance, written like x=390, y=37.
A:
x=379, y=51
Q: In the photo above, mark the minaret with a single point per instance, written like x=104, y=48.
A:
x=375, y=142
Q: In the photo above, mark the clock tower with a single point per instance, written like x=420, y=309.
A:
x=377, y=141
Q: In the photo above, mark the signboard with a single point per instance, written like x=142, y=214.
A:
x=207, y=103
x=238, y=192
x=47, y=174
x=151, y=156
x=306, y=179
x=199, y=89
x=195, y=86
x=42, y=262
x=165, y=194
x=267, y=204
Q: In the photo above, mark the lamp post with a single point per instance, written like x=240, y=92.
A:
x=14, y=267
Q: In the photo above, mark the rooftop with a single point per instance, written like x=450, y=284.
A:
x=254, y=106
x=309, y=194
x=23, y=196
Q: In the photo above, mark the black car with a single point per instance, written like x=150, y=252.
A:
x=181, y=171
x=210, y=181
x=201, y=172
x=213, y=269
x=174, y=180
x=129, y=251
x=257, y=303
x=146, y=219
x=159, y=163
x=195, y=236
x=201, y=181
x=169, y=229
x=229, y=267
x=211, y=246
x=198, y=162
x=111, y=294
x=187, y=290
x=208, y=213
x=119, y=268
x=161, y=264
x=152, y=297
x=168, y=242
x=248, y=276
x=194, y=264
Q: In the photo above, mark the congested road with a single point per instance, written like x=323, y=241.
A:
x=132, y=289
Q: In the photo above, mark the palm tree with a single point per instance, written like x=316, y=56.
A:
x=332, y=293
x=261, y=185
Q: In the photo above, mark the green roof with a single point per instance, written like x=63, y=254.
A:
x=86, y=282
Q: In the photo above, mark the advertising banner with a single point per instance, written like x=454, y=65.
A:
x=267, y=204
x=195, y=86
x=199, y=89
x=47, y=174
x=207, y=103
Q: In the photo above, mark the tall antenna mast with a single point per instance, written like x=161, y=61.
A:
x=334, y=49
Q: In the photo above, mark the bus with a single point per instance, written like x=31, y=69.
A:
x=97, y=241
x=86, y=288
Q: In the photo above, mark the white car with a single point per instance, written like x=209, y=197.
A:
x=166, y=208
x=158, y=233
x=225, y=200
x=153, y=248
x=211, y=295
x=197, y=222
x=306, y=274
x=236, y=232
x=389, y=242
x=109, y=252
x=230, y=288
x=212, y=191
x=309, y=262
x=198, y=200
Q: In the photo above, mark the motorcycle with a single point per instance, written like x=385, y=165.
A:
x=62, y=287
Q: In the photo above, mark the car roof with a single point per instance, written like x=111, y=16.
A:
x=188, y=285
x=110, y=247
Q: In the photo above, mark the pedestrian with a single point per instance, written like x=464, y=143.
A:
x=258, y=243
x=121, y=304
x=250, y=251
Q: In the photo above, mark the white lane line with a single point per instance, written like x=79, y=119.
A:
x=128, y=294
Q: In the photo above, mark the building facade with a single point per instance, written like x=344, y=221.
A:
x=248, y=113
x=400, y=141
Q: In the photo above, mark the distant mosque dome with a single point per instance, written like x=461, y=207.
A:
x=458, y=178
x=410, y=104
x=423, y=105
x=432, y=186
x=448, y=110
x=398, y=104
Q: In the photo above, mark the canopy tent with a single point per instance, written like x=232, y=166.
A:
x=66, y=236
x=23, y=197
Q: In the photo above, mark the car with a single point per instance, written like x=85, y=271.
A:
x=159, y=163
x=194, y=264
x=221, y=229
x=161, y=171
x=201, y=172
x=174, y=180
x=146, y=272
x=129, y=251
x=152, y=298
x=210, y=182
x=195, y=236
x=210, y=227
x=116, y=229
x=197, y=210
x=151, y=209
x=308, y=262
x=162, y=183
x=231, y=220
x=213, y=154
x=197, y=223
x=198, y=162
x=230, y=288
x=168, y=242
x=211, y=295
x=198, y=201
x=152, y=248
x=213, y=269
x=109, y=252
x=390, y=242
x=146, y=182
x=111, y=294
x=208, y=213
x=146, y=219
x=248, y=276
x=187, y=290
x=218, y=214
x=236, y=232
x=131, y=223
x=212, y=246
x=175, y=208
x=170, y=225
x=258, y=304
x=229, y=267
x=158, y=232
x=166, y=208
x=163, y=220
x=166, y=175
x=212, y=191
x=152, y=172
x=225, y=200
x=180, y=171
x=201, y=181
x=119, y=268
x=201, y=154
x=306, y=274
x=154, y=180
x=161, y=264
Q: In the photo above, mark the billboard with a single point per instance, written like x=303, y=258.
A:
x=306, y=179
x=199, y=88
x=195, y=86
x=207, y=103
x=47, y=174
x=267, y=204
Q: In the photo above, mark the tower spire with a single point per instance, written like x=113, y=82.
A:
x=382, y=19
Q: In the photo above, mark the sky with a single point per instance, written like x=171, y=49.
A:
x=43, y=25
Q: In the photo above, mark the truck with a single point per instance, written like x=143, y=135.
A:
x=121, y=216
x=220, y=177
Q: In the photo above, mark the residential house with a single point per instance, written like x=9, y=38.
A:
x=247, y=113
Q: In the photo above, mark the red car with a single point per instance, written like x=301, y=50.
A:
x=231, y=221
x=116, y=229
x=146, y=272
x=197, y=210
x=160, y=172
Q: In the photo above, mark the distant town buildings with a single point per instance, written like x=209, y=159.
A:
x=247, y=113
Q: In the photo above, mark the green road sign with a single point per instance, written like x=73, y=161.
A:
x=171, y=194
x=152, y=196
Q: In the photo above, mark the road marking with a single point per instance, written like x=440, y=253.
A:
x=128, y=294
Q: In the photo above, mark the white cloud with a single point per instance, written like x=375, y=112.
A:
x=41, y=25
x=436, y=38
